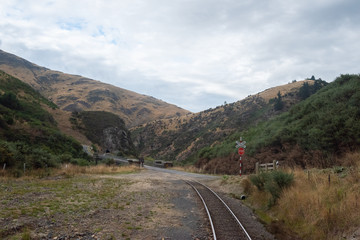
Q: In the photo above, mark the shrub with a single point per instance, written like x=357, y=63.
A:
x=65, y=158
x=274, y=190
x=80, y=162
x=272, y=182
x=110, y=161
x=282, y=179
x=260, y=180
x=10, y=100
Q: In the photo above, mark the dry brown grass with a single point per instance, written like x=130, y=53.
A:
x=189, y=168
x=99, y=169
x=69, y=170
x=316, y=208
x=283, y=89
x=319, y=209
x=63, y=122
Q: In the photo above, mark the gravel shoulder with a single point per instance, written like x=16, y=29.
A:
x=146, y=205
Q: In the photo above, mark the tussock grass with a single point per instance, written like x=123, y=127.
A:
x=320, y=209
x=321, y=204
x=69, y=170
x=99, y=169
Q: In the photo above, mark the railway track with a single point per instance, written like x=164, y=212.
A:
x=224, y=223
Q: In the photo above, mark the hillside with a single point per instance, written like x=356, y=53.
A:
x=28, y=132
x=316, y=132
x=77, y=93
x=105, y=129
x=181, y=138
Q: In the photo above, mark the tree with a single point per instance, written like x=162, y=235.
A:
x=317, y=86
x=279, y=104
x=304, y=91
x=10, y=100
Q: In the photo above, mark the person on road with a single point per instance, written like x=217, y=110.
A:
x=141, y=161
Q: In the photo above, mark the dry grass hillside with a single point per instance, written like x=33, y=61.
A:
x=63, y=123
x=76, y=93
x=171, y=124
x=180, y=137
x=283, y=89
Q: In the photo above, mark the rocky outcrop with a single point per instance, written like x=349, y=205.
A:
x=117, y=139
x=105, y=129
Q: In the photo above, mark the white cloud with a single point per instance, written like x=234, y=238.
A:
x=181, y=51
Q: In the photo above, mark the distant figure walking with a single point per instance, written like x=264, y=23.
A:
x=141, y=161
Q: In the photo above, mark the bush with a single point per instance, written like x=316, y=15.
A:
x=80, y=162
x=260, y=180
x=282, y=179
x=110, y=161
x=65, y=158
x=275, y=191
x=10, y=100
x=272, y=182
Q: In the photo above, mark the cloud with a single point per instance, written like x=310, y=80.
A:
x=195, y=54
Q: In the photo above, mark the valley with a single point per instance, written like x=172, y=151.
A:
x=310, y=127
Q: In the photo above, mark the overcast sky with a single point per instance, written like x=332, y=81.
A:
x=195, y=54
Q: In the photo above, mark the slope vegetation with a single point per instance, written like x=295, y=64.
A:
x=28, y=133
x=314, y=133
x=77, y=93
x=181, y=138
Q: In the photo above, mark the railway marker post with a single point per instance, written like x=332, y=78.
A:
x=241, y=150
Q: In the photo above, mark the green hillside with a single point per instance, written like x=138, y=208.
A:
x=28, y=133
x=312, y=133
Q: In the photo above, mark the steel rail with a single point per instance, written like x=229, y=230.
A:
x=227, y=207
x=206, y=208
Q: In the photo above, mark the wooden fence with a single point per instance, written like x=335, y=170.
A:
x=264, y=167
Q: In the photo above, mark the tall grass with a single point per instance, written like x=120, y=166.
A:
x=190, y=168
x=69, y=170
x=321, y=209
x=321, y=204
x=98, y=169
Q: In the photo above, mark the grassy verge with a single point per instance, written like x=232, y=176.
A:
x=321, y=204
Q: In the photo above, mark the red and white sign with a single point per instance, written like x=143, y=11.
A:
x=241, y=151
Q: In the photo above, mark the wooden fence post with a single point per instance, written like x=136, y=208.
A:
x=257, y=168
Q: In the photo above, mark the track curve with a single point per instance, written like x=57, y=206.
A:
x=224, y=223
